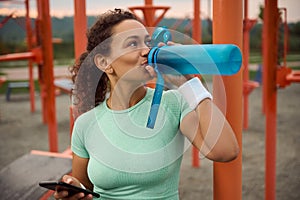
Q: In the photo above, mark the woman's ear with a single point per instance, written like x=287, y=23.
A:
x=100, y=61
x=109, y=69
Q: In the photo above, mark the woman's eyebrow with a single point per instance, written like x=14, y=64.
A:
x=132, y=37
x=136, y=37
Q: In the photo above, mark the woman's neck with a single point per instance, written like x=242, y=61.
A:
x=123, y=97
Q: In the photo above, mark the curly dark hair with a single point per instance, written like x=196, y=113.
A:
x=91, y=84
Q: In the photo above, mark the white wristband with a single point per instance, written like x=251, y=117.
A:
x=194, y=92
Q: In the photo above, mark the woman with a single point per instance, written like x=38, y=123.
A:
x=114, y=153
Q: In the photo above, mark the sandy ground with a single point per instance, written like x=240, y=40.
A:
x=22, y=131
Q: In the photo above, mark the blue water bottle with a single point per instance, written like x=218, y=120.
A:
x=213, y=59
x=222, y=59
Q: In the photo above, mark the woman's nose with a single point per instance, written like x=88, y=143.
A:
x=145, y=51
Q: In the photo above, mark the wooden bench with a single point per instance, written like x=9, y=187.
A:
x=14, y=85
x=19, y=180
x=64, y=84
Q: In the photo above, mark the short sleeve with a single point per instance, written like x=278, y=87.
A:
x=176, y=104
x=78, y=139
x=185, y=108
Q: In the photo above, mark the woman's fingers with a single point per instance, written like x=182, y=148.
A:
x=71, y=180
x=61, y=194
x=151, y=71
x=64, y=196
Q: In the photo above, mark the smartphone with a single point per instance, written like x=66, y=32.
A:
x=59, y=186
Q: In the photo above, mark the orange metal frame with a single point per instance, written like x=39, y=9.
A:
x=148, y=10
x=227, y=29
x=47, y=79
x=31, y=55
x=270, y=91
x=274, y=77
x=43, y=56
x=227, y=16
x=30, y=47
x=5, y=20
x=285, y=75
x=197, y=37
x=47, y=72
x=248, y=85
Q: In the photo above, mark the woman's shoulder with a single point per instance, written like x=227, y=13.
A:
x=89, y=116
x=172, y=96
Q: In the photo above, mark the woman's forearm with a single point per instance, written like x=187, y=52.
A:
x=219, y=141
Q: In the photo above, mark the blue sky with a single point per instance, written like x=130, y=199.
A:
x=179, y=8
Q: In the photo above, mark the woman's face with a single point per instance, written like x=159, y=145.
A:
x=129, y=49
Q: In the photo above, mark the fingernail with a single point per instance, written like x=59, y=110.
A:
x=69, y=180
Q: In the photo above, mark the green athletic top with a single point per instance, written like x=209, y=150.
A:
x=127, y=160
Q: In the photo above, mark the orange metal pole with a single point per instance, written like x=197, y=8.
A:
x=48, y=73
x=150, y=20
x=286, y=36
x=270, y=64
x=148, y=2
x=80, y=27
x=197, y=38
x=197, y=22
x=150, y=14
x=80, y=40
x=40, y=65
x=29, y=47
x=227, y=29
x=248, y=85
x=245, y=63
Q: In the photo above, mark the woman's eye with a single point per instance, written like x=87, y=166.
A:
x=148, y=43
x=132, y=44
